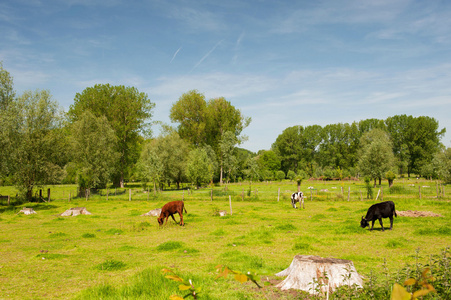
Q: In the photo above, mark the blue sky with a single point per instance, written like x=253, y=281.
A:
x=282, y=63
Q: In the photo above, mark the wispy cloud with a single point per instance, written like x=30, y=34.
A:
x=206, y=55
x=175, y=54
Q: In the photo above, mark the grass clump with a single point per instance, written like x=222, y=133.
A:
x=88, y=235
x=114, y=231
x=168, y=246
x=110, y=265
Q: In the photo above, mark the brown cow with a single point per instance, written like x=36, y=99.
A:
x=171, y=208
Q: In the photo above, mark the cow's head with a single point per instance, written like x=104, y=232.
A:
x=364, y=223
x=160, y=220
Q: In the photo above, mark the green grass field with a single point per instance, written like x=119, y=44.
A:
x=116, y=251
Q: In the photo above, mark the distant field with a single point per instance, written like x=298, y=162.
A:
x=45, y=256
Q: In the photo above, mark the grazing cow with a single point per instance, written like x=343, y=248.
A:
x=171, y=208
x=377, y=212
x=297, y=197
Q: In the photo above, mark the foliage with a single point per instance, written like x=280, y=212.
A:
x=184, y=286
x=39, y=147
x=199, y=169
x=224, y=271
x=420, y=287
x=376, y=155
x=111, y=265
x=127, y=111
x=442, y=163
x=93, y=144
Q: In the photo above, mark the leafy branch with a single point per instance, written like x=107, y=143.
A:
x=422, y=287
x=184, y=285
x=224, y=271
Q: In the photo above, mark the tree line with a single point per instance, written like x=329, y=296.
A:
x=106, y=138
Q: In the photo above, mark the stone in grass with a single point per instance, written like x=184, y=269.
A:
x=75, y=211
x=306, y=273
x=27, y=211
x=154, y=212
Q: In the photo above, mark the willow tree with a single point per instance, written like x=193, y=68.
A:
x=39, y=151
x=376, y=155
x=128, y=112
x=93, y=144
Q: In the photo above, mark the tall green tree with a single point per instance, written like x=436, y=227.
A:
x=205, y=123
x=442, y=164
x=172, y=152
x=376, y=154
x=288, y=147
x=199, y=167
x=8, y=115
x=228, y=161
x=40, y=151
x=93, y=147
x=128, y=112
x=190, y=112
x=150, y=166
x=7, y=93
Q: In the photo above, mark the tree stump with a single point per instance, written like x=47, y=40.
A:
x=315, y=274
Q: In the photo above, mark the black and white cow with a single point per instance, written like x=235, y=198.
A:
x=297, y=197
x=377, y=212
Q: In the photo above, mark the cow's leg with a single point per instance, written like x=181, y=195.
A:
x=303, y=205
x=181, y=218
x=382, y=225
x=172, y=215
x=372, y=224
x=391, y=222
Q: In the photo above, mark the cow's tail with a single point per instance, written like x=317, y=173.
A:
x=394, y=210
x=184, y=209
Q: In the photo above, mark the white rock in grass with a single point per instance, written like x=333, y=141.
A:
x=75, y=211
x=27, y=211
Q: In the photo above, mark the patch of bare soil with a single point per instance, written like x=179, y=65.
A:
x=415, y=213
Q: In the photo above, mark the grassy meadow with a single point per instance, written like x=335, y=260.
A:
x=116, y=253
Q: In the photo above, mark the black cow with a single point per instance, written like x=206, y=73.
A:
x=377, y=212
x=297, y=197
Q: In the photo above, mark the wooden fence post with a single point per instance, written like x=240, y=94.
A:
x=69, y=196
x=349, y=192
x=230, y=202
x=436, y=187
x=107, y=192
x=278, y=195
x=8, y=200
x=382, y=194
x=311, y=195
x=419, y=191
x=129, y=194
x=242, y=195
x=211, y=195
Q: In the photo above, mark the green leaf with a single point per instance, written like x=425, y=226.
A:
x=410, y=281
x=241, y=278
x=174, y=277
x=175, y=297
x=400, y=293
x=184, y=287
x=420, y=293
